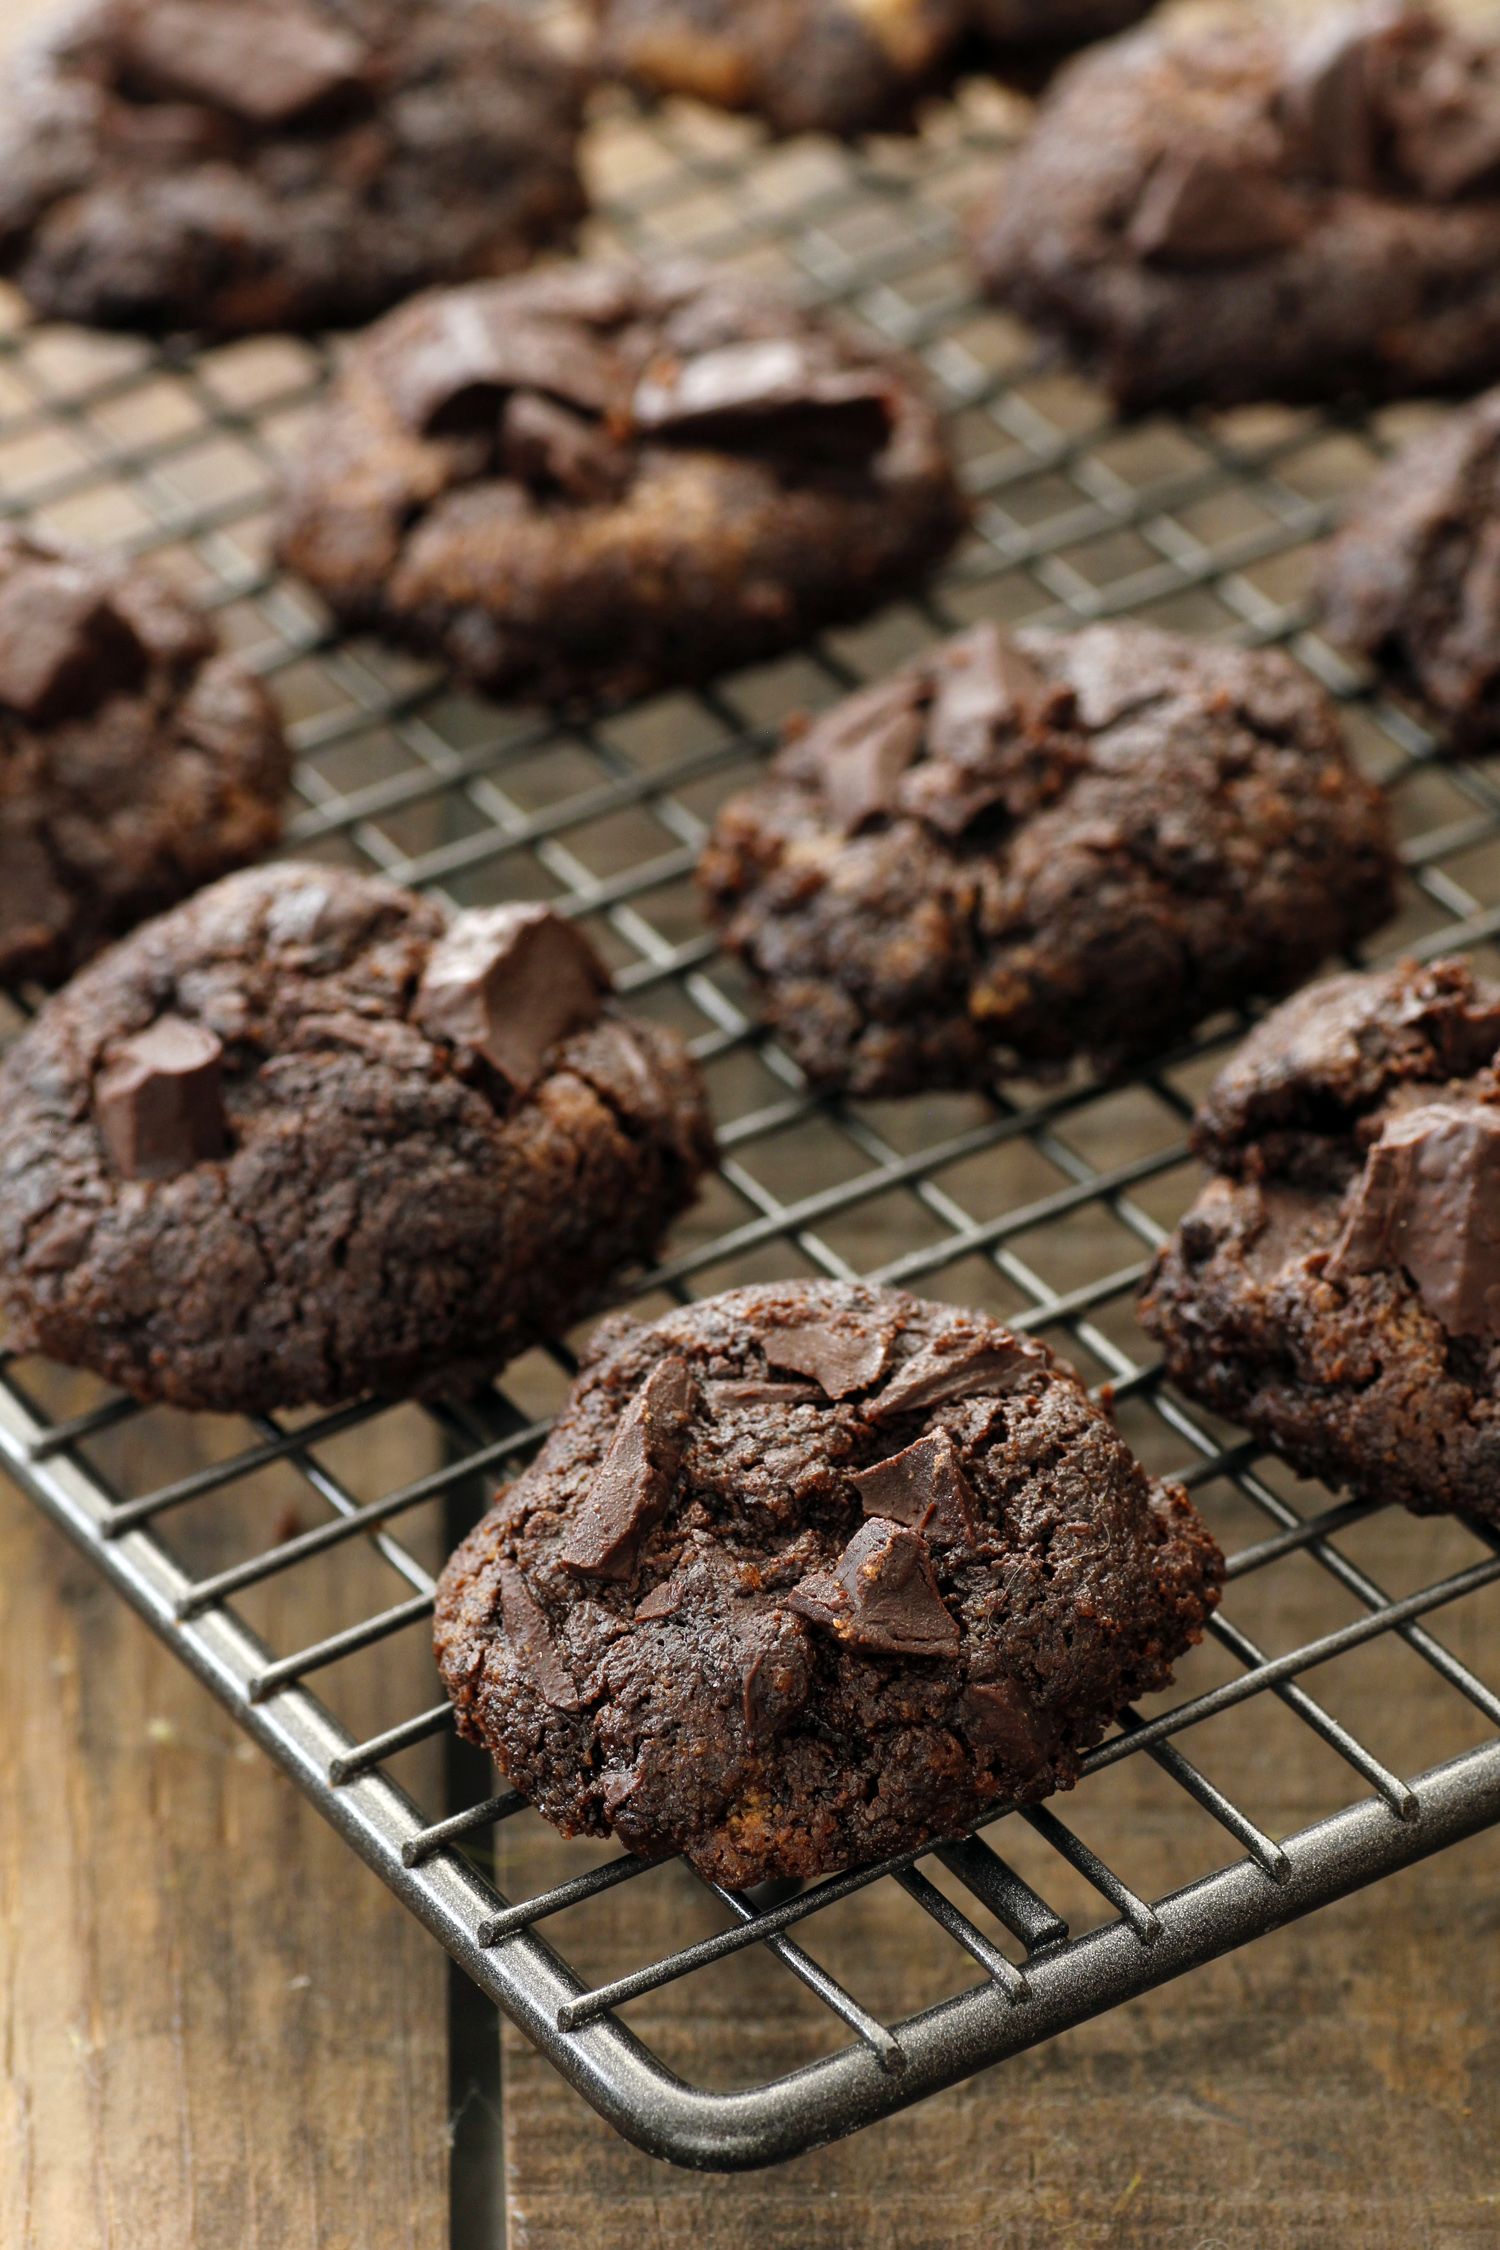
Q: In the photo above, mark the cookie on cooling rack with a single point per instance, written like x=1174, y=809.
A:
x=306, y=1137
x=599, y=480
x=1413, y=579
x=137, y=760
x=227, y=166
x=1336, y=1287
x=1017, y=850
x=810, y=1574
x=1255, y=209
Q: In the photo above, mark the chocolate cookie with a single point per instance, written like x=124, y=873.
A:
x=1265, y=211
x=1413, y=580
x=837, y=66
x=1017, y=850
x=1336, y=1287
x=136, y=760
x=305, y=1137
x=601, y=479
x=809, y=1574
x=232, y=165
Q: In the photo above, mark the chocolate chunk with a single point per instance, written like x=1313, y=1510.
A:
x=62, y=642
x=983, y=684
x=763, y=1394
x=510, y=982
x=634, y=1485
x=1197, y=211
x=475, y=352
x=547, y=445
x=778, y=1673
x=924, y=1488
x=1429, y=1201
x=160, y=1103
x=267, y=65
x=1448, y=131
x=860, y=749
x=1000, y=1720
x=840, y=1361
x=1330, y=95
x=770, y=391
x=967, y=1370
x=530, y=1636
x=880, y=1595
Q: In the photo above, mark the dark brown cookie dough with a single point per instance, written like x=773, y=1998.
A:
x=1336, y=1287
x=304, y=1138
x=1413, y=579
x=137, y=761
x=232, y=165
x=600, y=480
x=809, y=1574
x=1019, y=850
x=1264, y=210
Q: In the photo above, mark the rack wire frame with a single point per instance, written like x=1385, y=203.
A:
x=1206, y=523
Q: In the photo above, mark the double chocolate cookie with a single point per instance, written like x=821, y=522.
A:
x=1017, y=850
x=1264, y=210
x=600, y=480
x=231, y=165
x=807, y=1575
x=1336, y=1287
x=837, y=66
x=305, y=1137
x=1413, y=579
x=137, y=761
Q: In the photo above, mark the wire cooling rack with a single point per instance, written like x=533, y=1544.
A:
x=1045, y=1206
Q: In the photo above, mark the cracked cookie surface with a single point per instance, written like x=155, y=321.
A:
x=137, y=759
x=1336, y=1286
x=808, y=1574
x=227, y=166
x=598, y=480
x=1019, y=849
x=304, y=1137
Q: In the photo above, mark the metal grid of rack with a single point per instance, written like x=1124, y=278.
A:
x=1046, y=1205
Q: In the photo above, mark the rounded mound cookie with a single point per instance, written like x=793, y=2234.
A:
x=1336, y=1287
x=1265, y=210
x=304, y=1137
x=600, y=480
x=809, y=1574
x=233, y=165
x=137, y=761
x=1413, y=579
x=1019, y=850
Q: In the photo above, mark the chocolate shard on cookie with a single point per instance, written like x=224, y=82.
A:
x=1021, y=849
x=1336, y=1286
x=1262, y=207
x=764, y=1627
x=601, y=480
x=242, y=1167
x=228, y=166
x=137, y=760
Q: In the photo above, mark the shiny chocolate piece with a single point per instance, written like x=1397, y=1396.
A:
x=752, y=1393
x=999, y=1720
x=634, y=1485
x=974, y=1369
x=778, y=1673
x=526, y=1628
x=62, y=642
x=510, y=982
x=762, y=391
x=1198, y=211
x=1429, y=1202
x=862, y=748
x=159, y=1104
x=550, y=447
x=982, y=685
x=477, y=352
x=839, y=1361
x=924, y=1488
x=880, y=1595
x=265, y=64
x=1330, y=96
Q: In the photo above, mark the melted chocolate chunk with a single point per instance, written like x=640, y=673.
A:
x=983, y=684
x=1429, y=1201
x=778, y=1673
x=933, y=1377
x=63, y=645
x=510, y=982
x=550, y=447
x=765, y=392
x=634, y=1486
x=159, y=1105
x=477, y=352
x=1330, y=97
x=1000, y=1720
x=266, y=65
x=839, y=1361
x=924, y=1488
x=1197, y=211
x=863, y=747
x=754, y=1393
x=526, y=1628
x=880, y=1595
